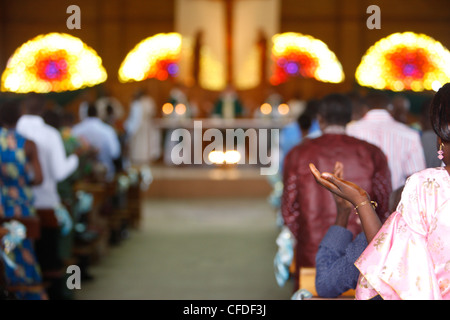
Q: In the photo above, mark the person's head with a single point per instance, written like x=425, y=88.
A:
x=34, y=104
x=440, y=117
x=335, y=109
x=10, y=113
x=52, y=118
x=139, y=93
x=359, y=109
x=304, y=122
x=92, y=110
x=400, y=108
x=311, y=108
x=377, y=100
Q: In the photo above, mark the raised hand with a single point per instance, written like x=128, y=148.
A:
x=353, y=193
x=340, y=187
x=340, y=202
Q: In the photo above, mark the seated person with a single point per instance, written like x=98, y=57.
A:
x=101, y=136
x=338, y=251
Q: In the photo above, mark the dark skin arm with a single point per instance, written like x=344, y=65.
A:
x=344, y=208
x=355, y=195
x=32, y=156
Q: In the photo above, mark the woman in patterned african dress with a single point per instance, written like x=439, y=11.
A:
x=19, y=169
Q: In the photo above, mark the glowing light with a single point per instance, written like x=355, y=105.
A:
x=283, y=109
x=266, y=108
x=216, y=157
x=405, y=61
x=228, y=157
x=436, y=85
x=180, y=109
x=154, y=57
x=299, y=55
x=167, y=108
x=232, y=157
x=52, y=62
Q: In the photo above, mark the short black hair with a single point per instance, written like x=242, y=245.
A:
x=304, y=121
x=92, y=110
x=440, y=112
x=9, y=113
x=336, y=109
x=312, y=107
x=52, y=118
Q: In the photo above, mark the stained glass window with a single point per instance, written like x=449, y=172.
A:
x=405, y=61
x=154, y=57
x=53, y=62
x=297, y=55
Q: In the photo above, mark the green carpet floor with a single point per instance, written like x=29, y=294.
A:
x=201, y=249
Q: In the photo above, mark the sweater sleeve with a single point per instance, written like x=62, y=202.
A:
x=335, y=270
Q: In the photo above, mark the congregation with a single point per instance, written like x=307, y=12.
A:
x=65, y=195
x=75, y=184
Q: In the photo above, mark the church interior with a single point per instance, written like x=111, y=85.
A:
x=174, y=222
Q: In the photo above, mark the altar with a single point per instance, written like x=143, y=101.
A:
x=219, y=142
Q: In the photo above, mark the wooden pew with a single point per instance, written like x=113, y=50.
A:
x=134, y=204
x=116, y=211
x=307, y=281
x=94, y=247
x=4, y=293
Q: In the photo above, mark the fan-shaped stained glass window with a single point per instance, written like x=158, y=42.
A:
x=297, y=55
x=405, y=61
x=155, y=57
x=53, y=62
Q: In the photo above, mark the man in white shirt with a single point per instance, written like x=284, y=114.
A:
x=101, y=136
x=55, y=164
x=401, y=144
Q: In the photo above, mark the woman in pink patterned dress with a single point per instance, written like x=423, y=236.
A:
x=408, y=257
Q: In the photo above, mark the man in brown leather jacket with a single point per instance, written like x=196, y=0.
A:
x=307, y=208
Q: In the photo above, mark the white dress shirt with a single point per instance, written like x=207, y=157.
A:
x=103, y=137
x=55, y=165
x=401, y=144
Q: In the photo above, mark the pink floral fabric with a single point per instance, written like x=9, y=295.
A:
x=409, y=258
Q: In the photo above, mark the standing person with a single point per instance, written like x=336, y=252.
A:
x=407, y=256
x=20, y=169
x=56, y=166
x=143, y=139
x=101, y=136
x=307, y=209
x=400, y=143
x=228, y=105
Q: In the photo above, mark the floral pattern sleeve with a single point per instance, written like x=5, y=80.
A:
x=409, y=257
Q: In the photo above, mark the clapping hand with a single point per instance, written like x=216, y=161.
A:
x=344, y=189
x=353, y=193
